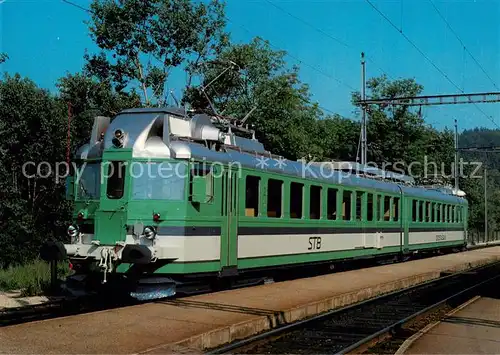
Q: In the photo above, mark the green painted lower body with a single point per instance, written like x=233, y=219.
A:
x=180, y=268
x=270, y=261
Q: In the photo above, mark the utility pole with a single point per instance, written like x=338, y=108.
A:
x=485, y=208
x=363, y=119
x=456, y=157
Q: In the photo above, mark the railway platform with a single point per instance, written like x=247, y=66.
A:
x=194, y=324
x=473, y=328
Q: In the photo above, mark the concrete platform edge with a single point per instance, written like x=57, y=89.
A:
x=227, y=334
x=408, y=342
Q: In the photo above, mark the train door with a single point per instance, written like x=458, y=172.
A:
x=229, y=231
x=110, y=217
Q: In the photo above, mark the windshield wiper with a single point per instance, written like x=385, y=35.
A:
x=86, y=193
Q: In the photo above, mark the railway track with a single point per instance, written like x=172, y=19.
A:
x=60, y=308
x=359, y=327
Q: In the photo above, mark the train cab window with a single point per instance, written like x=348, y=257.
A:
x=346, y=205
x=315, y=202
x=252, y=196
x=157, y=181
x=274, y=198
x=296, y=199
x=359, y=205
x=369, y=208
x=116, y=180
x=387, y=208
x=331, y=204
x=396, y=209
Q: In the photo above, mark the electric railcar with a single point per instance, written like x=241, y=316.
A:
x=162, y=197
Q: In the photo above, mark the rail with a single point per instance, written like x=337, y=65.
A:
x=365, y=324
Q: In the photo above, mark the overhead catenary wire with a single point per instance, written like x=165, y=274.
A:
x=326, y=34
x=427, y=58
x=462, y=44
x=315, y=68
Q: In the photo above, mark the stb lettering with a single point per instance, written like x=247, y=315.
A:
x=314, y=243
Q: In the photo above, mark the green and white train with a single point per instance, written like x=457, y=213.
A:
x=162, y=197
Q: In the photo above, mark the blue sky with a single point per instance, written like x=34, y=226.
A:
x=46, y=39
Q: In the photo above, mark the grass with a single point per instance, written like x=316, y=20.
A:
x=31, y=279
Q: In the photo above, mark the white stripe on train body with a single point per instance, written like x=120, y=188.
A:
x=426, y=237
x=204, y=248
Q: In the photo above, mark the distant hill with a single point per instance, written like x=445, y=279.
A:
x=473, y=184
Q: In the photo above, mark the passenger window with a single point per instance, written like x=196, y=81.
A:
x=332, y=204
x=359, y=205
x=428, y=211
x=252, y=196
x=274, y=198
x=414, y=210
x=116, y=180
x=296, y=197
x=387, y=208
x=369, y=208
x=396, y=209
x=346, y=206
x=421, y=209
x=315, y=202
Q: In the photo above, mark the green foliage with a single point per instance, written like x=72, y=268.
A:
x=398, y=135
x=282, y=117
x=89, y=98
x=142, y=41
x=31, y=279
x=472, y=182
x=32, y=130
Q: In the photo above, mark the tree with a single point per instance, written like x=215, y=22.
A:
x=32, y=206
x=253, y=77
x=88, y=98
x=398, y=137
x=142, y=41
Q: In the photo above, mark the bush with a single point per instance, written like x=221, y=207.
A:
x=31, y=279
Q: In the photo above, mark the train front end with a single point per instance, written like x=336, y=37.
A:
x=130, y=191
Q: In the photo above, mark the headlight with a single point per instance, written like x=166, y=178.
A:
x=72, y=231
x=118, y=138
x=149, y=233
